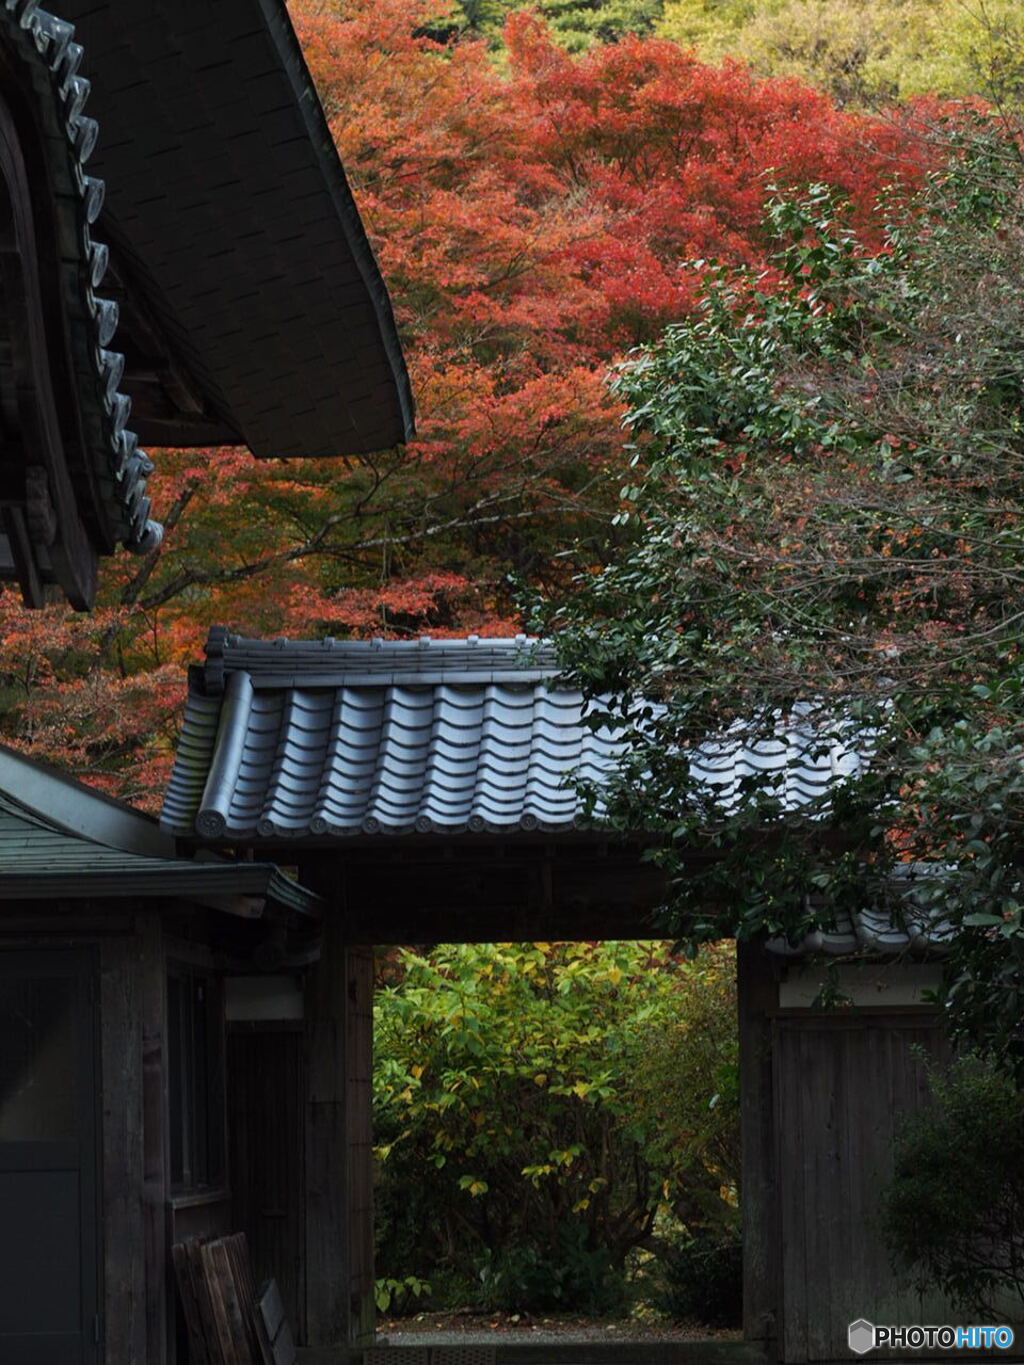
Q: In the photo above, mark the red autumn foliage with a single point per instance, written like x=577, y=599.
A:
x=532, y=223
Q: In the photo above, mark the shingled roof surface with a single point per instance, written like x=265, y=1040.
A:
x=228, y=208
x=39, y=861
x=323, y=739
x=315, y=740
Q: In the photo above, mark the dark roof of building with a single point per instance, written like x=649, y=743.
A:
x=39, y=862
x=67, y=805
x=301, y=739
x=42, y=857
x=241, y=253
x=318, y=739
x=241, y=302
x=83, y=482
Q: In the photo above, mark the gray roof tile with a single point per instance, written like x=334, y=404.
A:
x=871, y=931
x=317, y=739
x=320, y=740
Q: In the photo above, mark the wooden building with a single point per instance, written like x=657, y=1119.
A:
x=122, y=966
x=185, y=1041
x=419, y=790
x=423, y=790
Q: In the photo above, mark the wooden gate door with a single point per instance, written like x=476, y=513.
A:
x=49, y=1300
x=842, y=1083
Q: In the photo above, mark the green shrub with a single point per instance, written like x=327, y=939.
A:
x=568, y=1275
x=539, y=1107
x=700, y=1278
x=954, y=1212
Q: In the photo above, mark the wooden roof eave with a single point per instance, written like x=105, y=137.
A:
x=281, y=336
x=244, y=890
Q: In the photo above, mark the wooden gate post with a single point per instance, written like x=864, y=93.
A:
x=339, y=1169
x=757, y=995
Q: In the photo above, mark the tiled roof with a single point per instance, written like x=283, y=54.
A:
x=324, y=739
x=870, y=932
x=39, y=861
x=301, y=739
x=800, y=757
x=242, y=301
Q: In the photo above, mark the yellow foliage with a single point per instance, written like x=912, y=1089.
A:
x=865, y=51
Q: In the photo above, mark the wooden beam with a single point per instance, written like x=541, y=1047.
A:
x=240, y=906
x=758, y=995
x=489, y=898
x=25, y=566
x=66, y=544
x=124, y=1237
x=152, y=993
x=338, y=1196
x=359, y=1142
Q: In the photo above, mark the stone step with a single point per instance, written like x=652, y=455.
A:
x=707, y=1351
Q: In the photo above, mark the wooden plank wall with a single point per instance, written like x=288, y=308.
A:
x=130, y=1081
x=152, y=995
x=841, y=1085
x=266, y=1141
x=327, y=1315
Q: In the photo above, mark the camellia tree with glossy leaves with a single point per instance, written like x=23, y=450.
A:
x=828, y=544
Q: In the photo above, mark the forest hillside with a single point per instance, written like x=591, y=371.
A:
x=530, y=235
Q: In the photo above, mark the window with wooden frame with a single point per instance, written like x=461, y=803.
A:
x=195, y=1078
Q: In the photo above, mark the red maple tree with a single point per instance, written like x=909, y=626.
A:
x=533, y=222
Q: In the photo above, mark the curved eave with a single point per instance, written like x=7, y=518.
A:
x=229, y=208
x=213, y=884
x=279, y=25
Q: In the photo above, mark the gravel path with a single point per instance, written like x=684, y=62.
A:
x=441, y=1329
